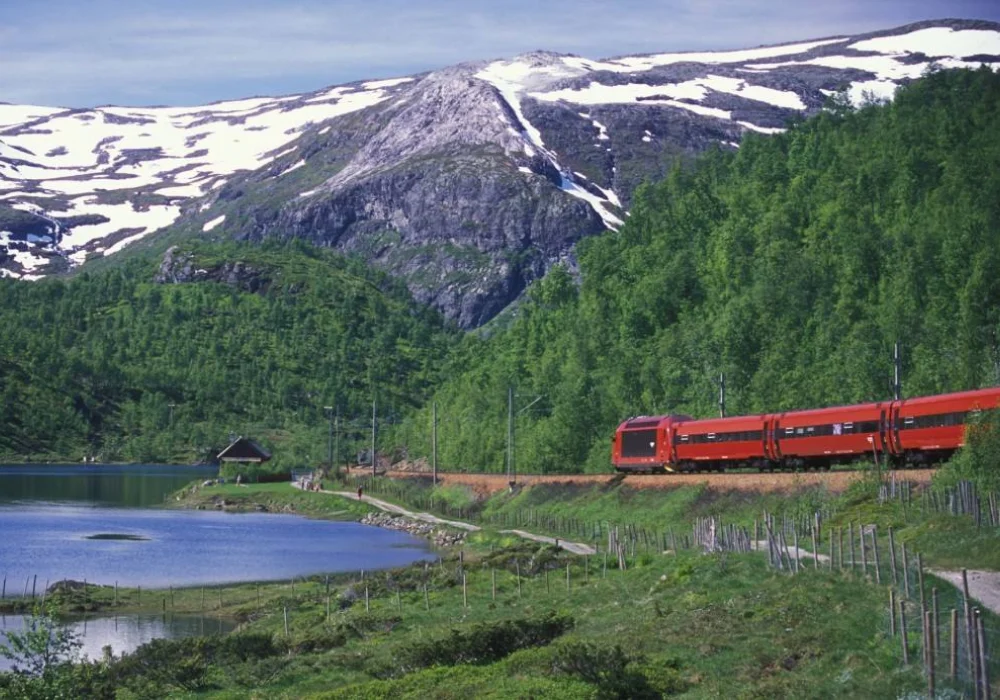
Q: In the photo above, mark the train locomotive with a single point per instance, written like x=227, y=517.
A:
x=910, y=432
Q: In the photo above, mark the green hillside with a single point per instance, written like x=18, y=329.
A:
x=116, y=366
x=792, y=265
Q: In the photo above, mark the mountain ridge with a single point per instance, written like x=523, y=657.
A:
x=467, y=183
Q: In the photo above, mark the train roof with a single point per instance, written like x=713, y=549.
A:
x=650, y=421
x=992, y=392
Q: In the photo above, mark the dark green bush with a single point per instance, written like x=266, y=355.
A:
x=611, y=670
x=484, y=643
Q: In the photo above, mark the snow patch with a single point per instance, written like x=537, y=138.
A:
x=639, y=63
x=761, y=129
x=213, y=223
x=935, y=41
x=696, y=89
x=391, y=82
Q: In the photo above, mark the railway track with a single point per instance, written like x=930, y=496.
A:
x=764, y=482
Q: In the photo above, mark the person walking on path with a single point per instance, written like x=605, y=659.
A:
x=359, y=493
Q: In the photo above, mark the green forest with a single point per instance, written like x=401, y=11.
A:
x=792, y=265
x=114, y=366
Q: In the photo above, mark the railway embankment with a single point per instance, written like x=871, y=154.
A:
x=836, y=481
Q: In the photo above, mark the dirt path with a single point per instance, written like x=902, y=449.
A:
x=792, y=551
x=984, y=586
x=398, y=510
x=574, y=547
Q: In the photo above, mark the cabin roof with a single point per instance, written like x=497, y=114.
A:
x=244, y=449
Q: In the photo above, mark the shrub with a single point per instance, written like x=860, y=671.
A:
x=611, y=670
x=484, y=643
x=979, y=460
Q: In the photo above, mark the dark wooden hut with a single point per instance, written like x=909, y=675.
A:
x=244, y=451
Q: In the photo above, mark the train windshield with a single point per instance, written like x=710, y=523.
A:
x=639, y=443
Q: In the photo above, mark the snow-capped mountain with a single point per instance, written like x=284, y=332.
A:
x=468, y=182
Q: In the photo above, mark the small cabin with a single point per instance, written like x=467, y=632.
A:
x=244, y=451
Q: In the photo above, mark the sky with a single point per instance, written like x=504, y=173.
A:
x=84, y=53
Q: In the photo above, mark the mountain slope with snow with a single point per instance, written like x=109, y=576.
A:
x=468, y=182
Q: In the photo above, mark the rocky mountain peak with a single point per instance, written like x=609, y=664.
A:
x=467, y=182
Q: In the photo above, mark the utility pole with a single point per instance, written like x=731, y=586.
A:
x=897, y=365
x=329, y=440
x=373, y=438
x=336, y=449
x=722, y=395
x=434, y=441
x=511, y=478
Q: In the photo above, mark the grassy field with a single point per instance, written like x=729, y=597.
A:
x=672, y=624
x=271, y=498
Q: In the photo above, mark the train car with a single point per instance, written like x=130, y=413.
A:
x=930, y=428
x=820, y=437
x=642, y=444
x=913, y=431
x=721, y=443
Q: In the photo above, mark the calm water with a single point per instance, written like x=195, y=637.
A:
x=186, y=548
x=47, y=514
x=125, y=633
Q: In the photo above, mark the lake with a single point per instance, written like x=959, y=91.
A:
x=47, y=524
x=50, y=513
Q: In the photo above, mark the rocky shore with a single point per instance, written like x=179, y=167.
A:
x=441, y=537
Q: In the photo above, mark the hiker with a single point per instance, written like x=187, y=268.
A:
x=359, y=493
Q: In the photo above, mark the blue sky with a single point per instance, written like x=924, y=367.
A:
x=182, y=52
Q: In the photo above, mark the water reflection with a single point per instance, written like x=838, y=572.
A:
x=125, y=633
x=98, y=484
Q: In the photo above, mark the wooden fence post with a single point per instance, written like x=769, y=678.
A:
x=878, y=572
x=864, y=556
x=906, y=572
x=902, y=630
x=936, y=617
x=953, y=641
x=892, y=556
x=892, y=612
x=815, y=550
x=984, y=666
x=920, y=580
x=850, y=536
x=930, y=655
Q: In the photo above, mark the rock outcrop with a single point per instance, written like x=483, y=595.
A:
x=441, y=537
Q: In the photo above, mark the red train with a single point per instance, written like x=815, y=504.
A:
x=909, y=432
